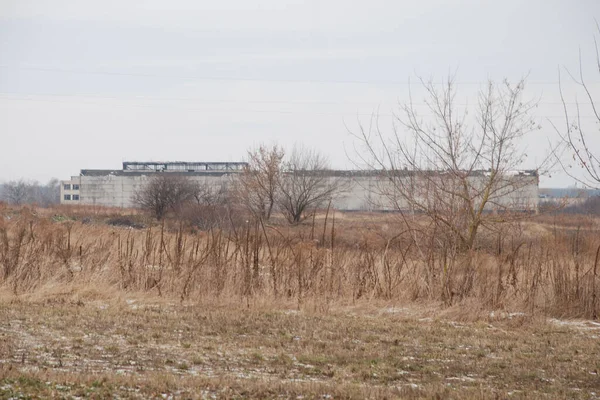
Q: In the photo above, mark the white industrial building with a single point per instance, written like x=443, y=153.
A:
x=362, y=190
x=115, y=188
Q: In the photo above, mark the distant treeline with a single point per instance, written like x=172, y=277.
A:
x=31, y=192
x=572, y=193
x=587, y=201
x=590, y=206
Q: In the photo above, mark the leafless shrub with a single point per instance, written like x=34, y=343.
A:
x=205, y=217
x=165, y=193
x=306, y=184
x=553, y=272
x=258, y=184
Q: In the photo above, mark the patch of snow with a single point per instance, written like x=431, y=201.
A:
x=577, y=324
x=395, y=310
x=410, y=385
x=462, y=379
x=506, y=315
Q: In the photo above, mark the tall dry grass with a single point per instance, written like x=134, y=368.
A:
x=548, y=267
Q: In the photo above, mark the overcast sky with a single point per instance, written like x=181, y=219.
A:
x=89, y=84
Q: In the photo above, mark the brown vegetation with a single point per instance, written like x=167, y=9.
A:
x=166, y=193
x=305, y=185
x=296, y=186
x=347, y=305
x=258, y=184
x=547, y=267
x=456, y=165
x=98, y=344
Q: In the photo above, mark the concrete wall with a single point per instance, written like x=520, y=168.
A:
x=110, y=190
x=373, y=193
x=360, y=193
x=117, y=190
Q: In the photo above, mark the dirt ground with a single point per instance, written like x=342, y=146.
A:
x=149, y=348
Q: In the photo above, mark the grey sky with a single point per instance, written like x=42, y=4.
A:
x=88, y=84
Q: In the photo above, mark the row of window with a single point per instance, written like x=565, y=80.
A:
x=67, y=186
x=71, y=197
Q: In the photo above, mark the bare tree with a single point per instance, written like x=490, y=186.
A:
x=259, y=182
x=206, y=194
x=577, y=138
x=306, y=184
x=165, y=192
x=22, y=192
x=452, y=168
x=50, y=193
x=44, y=195
x=16, y=192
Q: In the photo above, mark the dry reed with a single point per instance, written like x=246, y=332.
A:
x=549, y=268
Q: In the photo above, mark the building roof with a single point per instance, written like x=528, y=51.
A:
x=119, y=172
x=182, y=166
x=197, y=168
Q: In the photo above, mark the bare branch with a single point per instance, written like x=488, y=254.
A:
x=453, y=173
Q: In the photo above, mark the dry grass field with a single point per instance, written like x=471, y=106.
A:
x=101, y=303
x=141, y=348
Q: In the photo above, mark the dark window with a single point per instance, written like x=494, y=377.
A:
x=75, y=187
x=67, y=197
x=67, y=186
x=75, y=197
